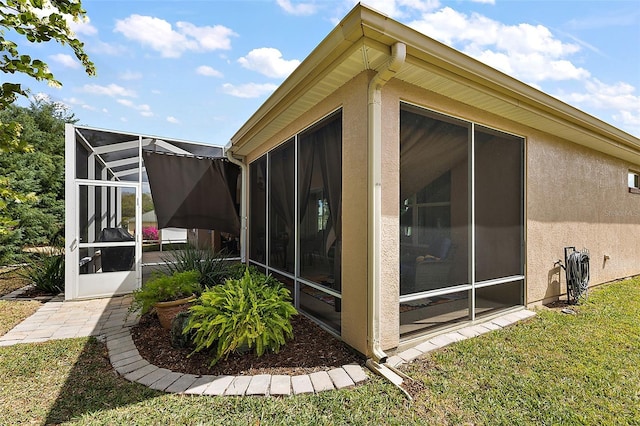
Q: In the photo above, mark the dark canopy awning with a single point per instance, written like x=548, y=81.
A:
x=191, y=192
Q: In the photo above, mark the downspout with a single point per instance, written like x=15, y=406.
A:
x=243, y=201
x=396, y=60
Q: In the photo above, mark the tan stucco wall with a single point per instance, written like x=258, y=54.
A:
x=352, y=98
x=578, y=197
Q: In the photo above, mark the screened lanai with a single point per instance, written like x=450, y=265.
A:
x=131, y=199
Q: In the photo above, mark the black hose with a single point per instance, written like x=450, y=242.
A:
x=578, y=274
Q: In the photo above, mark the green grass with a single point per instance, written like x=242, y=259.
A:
x=553, y=369
x=13, y=313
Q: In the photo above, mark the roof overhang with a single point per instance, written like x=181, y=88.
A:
x=362, y=41
x=119, y=155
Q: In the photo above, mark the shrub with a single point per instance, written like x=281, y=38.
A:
x=150, y=233
x=165, y=288
x=237, y=271
x=46, y=271
x=213, y=267
x=242, y=313
x=178, y=338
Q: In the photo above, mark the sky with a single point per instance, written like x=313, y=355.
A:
x=197, y=70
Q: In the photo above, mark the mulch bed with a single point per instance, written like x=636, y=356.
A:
x=312, y=349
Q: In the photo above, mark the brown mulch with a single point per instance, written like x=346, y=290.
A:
x=312, y=349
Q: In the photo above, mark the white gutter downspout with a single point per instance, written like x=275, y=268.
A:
x=396, y=60
x=243, y=201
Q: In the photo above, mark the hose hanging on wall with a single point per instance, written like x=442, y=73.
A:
x=576, y=267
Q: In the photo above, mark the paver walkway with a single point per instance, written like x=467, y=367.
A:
x=109, y=320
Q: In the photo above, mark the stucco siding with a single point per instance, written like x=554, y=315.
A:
x=578, y=197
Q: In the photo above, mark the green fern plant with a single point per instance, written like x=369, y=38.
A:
x=165, y=288
x=250, y=312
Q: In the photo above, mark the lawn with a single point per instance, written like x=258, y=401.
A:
x=13, y=312
x=553, y=369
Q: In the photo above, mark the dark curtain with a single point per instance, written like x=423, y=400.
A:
x=194, y=193
x=306, y=155
x=331, y=167
x=282, y=178
x=427, y=151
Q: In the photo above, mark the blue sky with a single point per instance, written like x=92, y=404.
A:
x=197, y=70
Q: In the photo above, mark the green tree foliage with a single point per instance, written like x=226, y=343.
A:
x=129, y=205
x=37, y=218
x=37, y=21
x=30, y=21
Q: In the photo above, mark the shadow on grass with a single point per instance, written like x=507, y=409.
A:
x=92, y=385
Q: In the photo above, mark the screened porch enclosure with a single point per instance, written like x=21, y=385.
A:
x=130, y=199
x=295, y=212
x=461, y=220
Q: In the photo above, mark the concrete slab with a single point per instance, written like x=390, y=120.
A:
x=356, y=372
x=219, y=385
x=410, y=354
x=395, y=361
x=426, y=347
x=301, y=384
x=166, y=381
x=280, y=385
x=140, y=373
x=340, y=378
x=128, y=368
x=182, y=384
x=259, y=385
x=200, y=385
x=238, y=386
x=321, y=381
x=153, y=377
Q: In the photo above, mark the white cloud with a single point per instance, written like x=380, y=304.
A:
x=173, y=120
x=130, y=75
x=398, y=8
x=65, y=60
x=619, y=100
x=268, y=61
x=143, y=109
x=161, y=36
x=79, y=26
x=109, y=90
x=96, y=46
x=528, y=52
x=300, y=9
x=208, y=71
x=484, y=1
x=249, y=90
x=83, y=27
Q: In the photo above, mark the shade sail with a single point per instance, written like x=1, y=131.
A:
x=191, y=192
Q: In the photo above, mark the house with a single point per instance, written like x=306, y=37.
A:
x=396, y=186
x=400, y=188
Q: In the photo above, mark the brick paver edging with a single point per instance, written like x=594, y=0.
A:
x=126, y=360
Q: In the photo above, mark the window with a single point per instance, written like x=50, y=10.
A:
x=634, y=182
x=461, y=220
x=295, y=228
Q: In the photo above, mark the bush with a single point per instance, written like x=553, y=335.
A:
x=46, y=271
x=242, y=313
x=178, y=338
x=165, y=288
x=237, y=271
x=213, y=267
x=150, y=233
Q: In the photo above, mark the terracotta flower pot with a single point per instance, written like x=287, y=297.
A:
x=167, y=311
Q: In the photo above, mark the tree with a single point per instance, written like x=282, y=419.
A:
x=37, y=21
x=38, y=173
